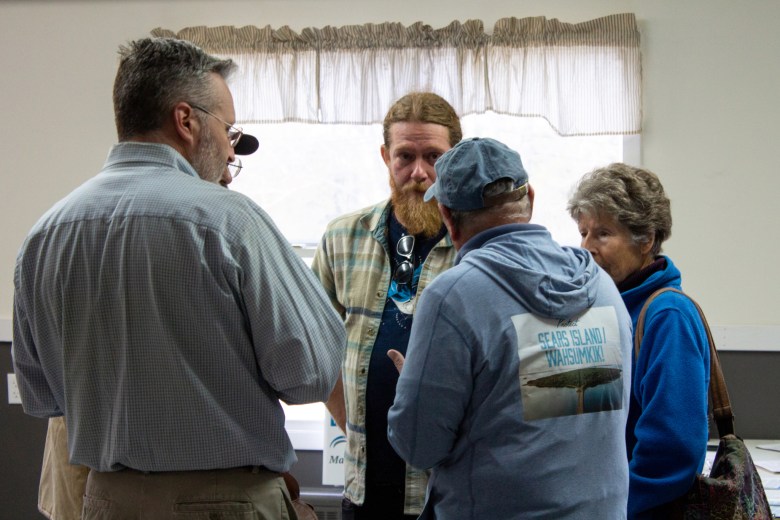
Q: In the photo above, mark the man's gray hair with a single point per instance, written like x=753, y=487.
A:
x=508, y=212
x=157, y=73
x=631, y=196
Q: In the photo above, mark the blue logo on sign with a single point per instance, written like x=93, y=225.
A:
x=338, y=440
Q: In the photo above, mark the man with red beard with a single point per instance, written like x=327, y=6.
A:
x=374, y=264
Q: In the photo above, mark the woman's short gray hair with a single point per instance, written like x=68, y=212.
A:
x=632, y=196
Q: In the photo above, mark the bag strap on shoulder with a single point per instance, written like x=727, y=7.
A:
x=721, y=405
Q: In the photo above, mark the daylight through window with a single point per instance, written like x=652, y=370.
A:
x=305, y=175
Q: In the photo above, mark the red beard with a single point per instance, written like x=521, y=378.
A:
x=418, y=217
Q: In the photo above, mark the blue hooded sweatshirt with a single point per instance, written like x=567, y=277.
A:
x=667, y=432
x=515, y=390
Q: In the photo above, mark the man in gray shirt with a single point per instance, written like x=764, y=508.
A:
x=165, y=317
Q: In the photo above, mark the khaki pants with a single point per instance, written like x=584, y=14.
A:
x=237, y=494
x=62, y=484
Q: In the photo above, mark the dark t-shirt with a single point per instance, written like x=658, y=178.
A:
x=385, y=467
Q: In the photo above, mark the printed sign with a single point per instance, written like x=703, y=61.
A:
x=333, y=453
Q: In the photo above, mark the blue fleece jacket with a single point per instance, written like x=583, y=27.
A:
x=516, y=385
x=666, y=435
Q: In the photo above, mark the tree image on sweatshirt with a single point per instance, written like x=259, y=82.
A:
x=570, y=366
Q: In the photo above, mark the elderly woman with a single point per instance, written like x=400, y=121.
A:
x=624, y=216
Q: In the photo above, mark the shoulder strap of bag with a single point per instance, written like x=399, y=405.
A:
x=721, y=405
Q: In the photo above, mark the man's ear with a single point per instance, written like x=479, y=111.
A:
x=531, y=195
x=385, y=154
x=185, y=124
x=446, y=216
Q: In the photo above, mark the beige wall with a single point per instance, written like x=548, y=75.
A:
x=711, y=74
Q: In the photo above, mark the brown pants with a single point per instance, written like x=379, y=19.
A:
x=236, y=494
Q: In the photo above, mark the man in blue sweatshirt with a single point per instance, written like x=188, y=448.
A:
x=515, y=387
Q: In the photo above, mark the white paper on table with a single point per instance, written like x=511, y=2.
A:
x=773, y=447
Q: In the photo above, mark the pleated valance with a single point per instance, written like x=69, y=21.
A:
x=584, y=79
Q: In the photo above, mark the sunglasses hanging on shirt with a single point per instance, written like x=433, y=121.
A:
x=404, y=273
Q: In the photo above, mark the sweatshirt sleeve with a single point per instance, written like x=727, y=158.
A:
x=434, y=387
x=670, y=384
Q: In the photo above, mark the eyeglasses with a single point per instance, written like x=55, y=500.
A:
x=405, y=271
x=234, y=133
x=234, y=167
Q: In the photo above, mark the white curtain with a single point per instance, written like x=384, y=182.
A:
x=584, y=79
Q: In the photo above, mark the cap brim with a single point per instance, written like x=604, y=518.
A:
x=430, y=193
x=246, y=145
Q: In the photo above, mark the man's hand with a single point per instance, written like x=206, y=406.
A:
x=398, y=359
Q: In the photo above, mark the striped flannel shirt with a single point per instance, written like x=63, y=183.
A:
x=353, y=264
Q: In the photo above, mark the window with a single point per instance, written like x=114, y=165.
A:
x=305, y=175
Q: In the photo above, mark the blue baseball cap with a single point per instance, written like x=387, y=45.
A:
x=465, y=169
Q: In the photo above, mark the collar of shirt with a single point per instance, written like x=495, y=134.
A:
x=132, y=151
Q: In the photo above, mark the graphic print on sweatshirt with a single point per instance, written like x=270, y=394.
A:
x=571, y=366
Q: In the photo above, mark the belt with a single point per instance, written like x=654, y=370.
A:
x=252, y=469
